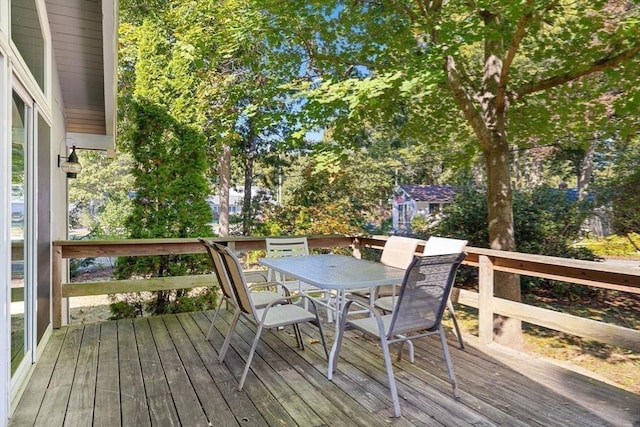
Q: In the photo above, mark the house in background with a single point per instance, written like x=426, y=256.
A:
x=57, y=90
x=413, y=200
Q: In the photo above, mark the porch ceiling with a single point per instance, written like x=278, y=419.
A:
x=84, y=44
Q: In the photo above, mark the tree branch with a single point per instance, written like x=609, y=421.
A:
x=510, y=54
x=607, y=62
x=632, y=242
x=315, y=56
x=456, y=80
x=407, y=11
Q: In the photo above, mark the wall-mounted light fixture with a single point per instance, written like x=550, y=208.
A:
x=70, y=165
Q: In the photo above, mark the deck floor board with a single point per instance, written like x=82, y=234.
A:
x=163, y=371
x=107, y=413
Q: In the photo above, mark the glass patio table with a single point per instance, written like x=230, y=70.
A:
x=339, y=273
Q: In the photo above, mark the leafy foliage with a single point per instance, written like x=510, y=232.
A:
x=100, y=194
x=614, y=246
x=483, y=76
x=621, y=191
x=127, y=306
x=326, y=219
x=168, y=156
x=548, y=221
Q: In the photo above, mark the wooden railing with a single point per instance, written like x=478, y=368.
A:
x=488, y=261
x=64, y=249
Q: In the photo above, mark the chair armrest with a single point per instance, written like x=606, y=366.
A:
x=255, y=286
x=370, y=308
x=359, y=303
x=289, y=299
x=256, y=276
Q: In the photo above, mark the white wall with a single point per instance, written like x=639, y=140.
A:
x=59, y=181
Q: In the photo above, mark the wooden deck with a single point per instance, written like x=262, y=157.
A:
x=162, y=371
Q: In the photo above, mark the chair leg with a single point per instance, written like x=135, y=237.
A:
x=215, y=316
x=412, y=357
x=447, y=359
x=390, y=376
x=227, y=340
x=296, y=330
x=306, y=301
x=455, y=323
x=250, y=357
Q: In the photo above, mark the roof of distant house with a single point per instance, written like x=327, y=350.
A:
x=430, y=193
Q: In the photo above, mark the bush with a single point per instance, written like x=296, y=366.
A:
x=465, y=218
x=125, y=309
x=547, y=221
x=126, y=306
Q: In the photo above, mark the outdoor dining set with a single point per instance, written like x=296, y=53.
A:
x=401, y=298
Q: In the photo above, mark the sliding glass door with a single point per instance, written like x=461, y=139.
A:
x=21, y=236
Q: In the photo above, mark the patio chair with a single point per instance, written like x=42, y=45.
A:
x=294, y=246
x=418, y=313
x=260, y=298
x=397, y=252
x=434, y=246
x=273, y=315
x=285, y=246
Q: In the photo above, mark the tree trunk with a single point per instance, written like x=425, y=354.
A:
x=249, y=154
x=586, y=167
x=225, y=184
x=248, y=184
x=488, y=123
x=507, y=331
x=499, y=195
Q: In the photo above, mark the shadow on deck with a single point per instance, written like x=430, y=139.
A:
x=162, y=371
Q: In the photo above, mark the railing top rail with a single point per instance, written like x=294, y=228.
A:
x=154, y=241
x=591, y=273
x=556, y=261
x=172, y=246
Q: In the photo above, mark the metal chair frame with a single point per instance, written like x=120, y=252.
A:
x=418, y=313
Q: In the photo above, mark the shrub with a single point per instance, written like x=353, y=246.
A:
x=547, y=221
x=125, y=309
x=126, y=306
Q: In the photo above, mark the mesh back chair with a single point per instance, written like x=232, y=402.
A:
x=260, y=298
x=434, y=246
x=418, y=313
x=270, y=317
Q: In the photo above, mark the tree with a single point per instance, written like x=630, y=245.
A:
x=499, y=72
x=168, y=154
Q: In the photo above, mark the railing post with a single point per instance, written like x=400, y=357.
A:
x=56, y=287
x=485, y=300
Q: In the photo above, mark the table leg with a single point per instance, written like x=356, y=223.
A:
x=340, y=302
